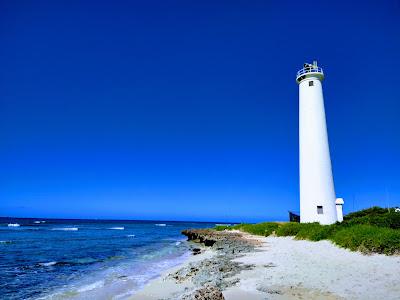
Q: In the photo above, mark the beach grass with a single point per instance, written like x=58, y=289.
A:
x=263, y=229
x=373, y=230
x=375, y=216
x=368, y=239
x=314, y=232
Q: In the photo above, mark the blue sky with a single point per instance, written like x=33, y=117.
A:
x=189, y=110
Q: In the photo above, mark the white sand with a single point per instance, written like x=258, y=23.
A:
x=291, y=269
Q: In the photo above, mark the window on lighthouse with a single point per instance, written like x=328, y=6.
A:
x=320, y=210
x=311, y=83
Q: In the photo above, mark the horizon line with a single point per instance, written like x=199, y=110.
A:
x=107, y=219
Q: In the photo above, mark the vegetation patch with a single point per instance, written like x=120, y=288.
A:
x=288, y=229
x=373, y=230
x=263, y=229
x=222, y=227
x=315, y=231
x=375, y=216
x=368, y=239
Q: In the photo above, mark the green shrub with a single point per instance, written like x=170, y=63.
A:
x=237, y=226
x=263, y=229
x=375, y=216
x=222, y=227
x=393, y=219
x=288, y=229
x=370, y=230
x=368, y=238
x=270, y=228
x=315, y=231
x=372, y=211
x=228, y=227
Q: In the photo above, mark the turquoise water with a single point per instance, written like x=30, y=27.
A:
x=86, y=259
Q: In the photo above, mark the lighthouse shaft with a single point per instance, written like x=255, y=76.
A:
x=317, y=193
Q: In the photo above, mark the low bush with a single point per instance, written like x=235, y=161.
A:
x=222, y=227
x=270, y=228
x=367, y=238
x=263, y=229
x=315, y=231
x=288, y=229
x=370, y=230
x=229, y=227
x=388, y=220
x=372, y=211
x=375, y=216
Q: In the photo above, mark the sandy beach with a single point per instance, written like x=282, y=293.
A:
x=241, y=266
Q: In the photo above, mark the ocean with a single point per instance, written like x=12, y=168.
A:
x=86, y=259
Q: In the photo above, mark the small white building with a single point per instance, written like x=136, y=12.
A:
x=339, y=209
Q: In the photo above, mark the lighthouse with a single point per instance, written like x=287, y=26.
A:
x=317, y=192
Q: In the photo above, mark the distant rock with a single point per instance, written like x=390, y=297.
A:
x=225, y=241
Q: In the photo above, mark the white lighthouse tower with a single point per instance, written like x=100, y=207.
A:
x=317, y=192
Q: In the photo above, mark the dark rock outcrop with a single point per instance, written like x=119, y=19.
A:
x=225, y=241
x=212, y=275
x=196, y=251
x=205, y=293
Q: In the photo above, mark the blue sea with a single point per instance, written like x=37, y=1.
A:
x=86, y=259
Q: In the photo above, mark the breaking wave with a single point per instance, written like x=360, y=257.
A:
x=66, y=228
x=48, y=264
x=92, y=286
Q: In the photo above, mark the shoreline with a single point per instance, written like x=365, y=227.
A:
x=236, y=265
x=164, y=286
x=209, y=270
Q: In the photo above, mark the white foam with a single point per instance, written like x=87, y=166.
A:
x=13, y=225
x=65, y=228
x=117, y=228
x=39, y=222
x=130, y=235
x=48, y=264
x=177, y=243
x=119, y=282
x=92, y=286
x=161, y=225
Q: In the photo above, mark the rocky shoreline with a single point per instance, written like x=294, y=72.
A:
x=232, y=265
x=213, y=275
